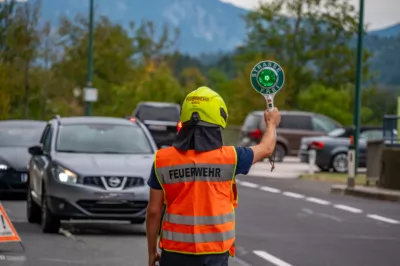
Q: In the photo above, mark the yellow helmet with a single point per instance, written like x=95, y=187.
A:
x=204, y=107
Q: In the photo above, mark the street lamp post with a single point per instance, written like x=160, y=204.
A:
x=353, y=151
x=89, y=83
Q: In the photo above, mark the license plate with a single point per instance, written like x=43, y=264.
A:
x=157, y=127
x=24, y=178
x=109, y=197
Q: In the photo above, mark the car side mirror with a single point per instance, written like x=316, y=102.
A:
x=35, y=150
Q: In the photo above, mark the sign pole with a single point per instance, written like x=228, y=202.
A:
x=88, y=108
x=357, y=98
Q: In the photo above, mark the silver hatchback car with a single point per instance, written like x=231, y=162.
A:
x=89, y=168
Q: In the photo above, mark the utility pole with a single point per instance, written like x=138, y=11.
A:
x=353, y=150
x=89, y=90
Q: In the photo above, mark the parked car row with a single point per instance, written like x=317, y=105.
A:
x=331, y=150
x=293, y=127
x=300, y=132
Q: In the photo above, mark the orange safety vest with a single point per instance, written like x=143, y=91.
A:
x=200, y=197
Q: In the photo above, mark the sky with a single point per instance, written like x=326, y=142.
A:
x=378, y=13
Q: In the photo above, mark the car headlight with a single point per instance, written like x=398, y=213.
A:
x=65, y=175
x=3, y=166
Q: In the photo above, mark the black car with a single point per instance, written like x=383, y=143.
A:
x=89, y=168
x=331, y=150
x=161, y=118
x=15, y=138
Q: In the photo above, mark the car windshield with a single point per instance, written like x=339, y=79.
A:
x=158, y=113
x=102, y=138
x=337, y=132
x=20, y=135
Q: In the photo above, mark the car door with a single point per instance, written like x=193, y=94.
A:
x=41, y=161
x=34, y=172
x=293, y=128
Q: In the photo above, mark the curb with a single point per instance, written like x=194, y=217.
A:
x=359, y=192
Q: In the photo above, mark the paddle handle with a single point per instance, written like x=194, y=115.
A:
x=270, y=103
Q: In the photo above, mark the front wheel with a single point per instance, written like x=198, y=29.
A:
x=280, y=153
x=50, y=223
x=339, y=163
x=33, y=212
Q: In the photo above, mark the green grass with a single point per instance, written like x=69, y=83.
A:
x=334, y=178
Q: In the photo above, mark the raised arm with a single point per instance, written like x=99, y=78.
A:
x=267, y=144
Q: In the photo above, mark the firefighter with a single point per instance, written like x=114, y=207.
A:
x=195, y=180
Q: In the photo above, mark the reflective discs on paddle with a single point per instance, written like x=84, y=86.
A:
x=267, y=77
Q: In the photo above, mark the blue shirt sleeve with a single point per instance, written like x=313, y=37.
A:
x=245, y=156
x=153, y=181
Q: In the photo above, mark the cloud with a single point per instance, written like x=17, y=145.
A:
x=378, y=14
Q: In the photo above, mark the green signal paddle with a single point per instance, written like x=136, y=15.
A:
x=267, y=78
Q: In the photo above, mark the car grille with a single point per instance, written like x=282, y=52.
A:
x=97, y=181
x=117, y=207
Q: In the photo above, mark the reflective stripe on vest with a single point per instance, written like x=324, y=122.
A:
x=198, y=238
x=199, y=220
x=199, y=217
x=199, y=172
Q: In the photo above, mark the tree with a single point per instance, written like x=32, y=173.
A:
x=335, y=103
x=311, y=41
x=191, y=78
x=18, y=52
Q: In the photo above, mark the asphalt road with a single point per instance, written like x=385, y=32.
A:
x=280, y=222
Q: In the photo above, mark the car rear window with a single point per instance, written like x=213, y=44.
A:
x=20, y=135
x=156, y=113
x=252, y=122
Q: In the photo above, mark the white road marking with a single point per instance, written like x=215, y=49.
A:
x=248, y=184
x=293, y=195
x=382, y=219
x=270, y=189
x=268, y=257
x=318, y=201
x=347, y=208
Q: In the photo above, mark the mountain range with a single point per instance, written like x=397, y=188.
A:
x=206, y=26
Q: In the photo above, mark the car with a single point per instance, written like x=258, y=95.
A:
x=293, y=127
x=89, y=168
x=161, y=118
x=15, y=138
x=331, y=150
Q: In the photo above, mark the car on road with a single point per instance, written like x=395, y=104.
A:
x=15, y=138
x=293, y=127
x=331, y=150
x=89, y=168
x=161, y=118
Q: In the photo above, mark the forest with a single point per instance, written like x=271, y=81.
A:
x=43, y=67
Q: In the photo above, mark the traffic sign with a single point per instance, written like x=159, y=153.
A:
x=267, y=78
x=7, y=230
x=90, y=94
